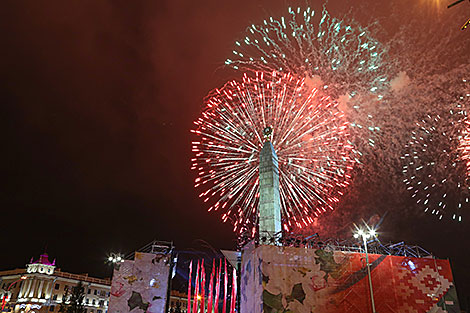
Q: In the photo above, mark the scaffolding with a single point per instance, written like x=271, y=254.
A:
x=154, y=247
x=314, y=241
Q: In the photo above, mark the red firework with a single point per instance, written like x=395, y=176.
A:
x=310, y=136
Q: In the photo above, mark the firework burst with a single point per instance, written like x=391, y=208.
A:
x=436, y=166
x=340, y=53
x=309, y=134
x=437, y=156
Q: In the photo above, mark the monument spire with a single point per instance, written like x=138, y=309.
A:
x=269, y=198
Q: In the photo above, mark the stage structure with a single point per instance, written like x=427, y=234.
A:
x=141, y=281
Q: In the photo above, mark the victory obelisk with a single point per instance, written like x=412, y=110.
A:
x=269, y=197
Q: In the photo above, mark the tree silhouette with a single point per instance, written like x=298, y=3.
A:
x=73, y=302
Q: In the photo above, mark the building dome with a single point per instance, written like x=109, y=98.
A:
x=42, y=265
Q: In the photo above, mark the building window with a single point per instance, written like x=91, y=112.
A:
x=101, y=303
x=54, y=297
x=96, y=292
x=89, y=291
x=99, y=311
x=51, y=308
x=87, y=301
x=93, y=301
x=56, y=287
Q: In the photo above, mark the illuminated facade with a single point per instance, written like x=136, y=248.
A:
x=178, y=302
x=41, y=288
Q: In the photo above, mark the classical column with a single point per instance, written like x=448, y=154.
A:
x=22, y=289
x=33, y=288
x=48, y=289
x=41, y=285
x=27, y=288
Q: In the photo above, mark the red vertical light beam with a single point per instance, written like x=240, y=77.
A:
x=217, y=288
x=224, y=308
x=203, y=286
x=196, y=289
x=234, y=291
x=189, y=286
x=211, y=288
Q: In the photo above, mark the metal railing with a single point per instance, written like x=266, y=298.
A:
x=155, y=247
x=83, y=277
x=334, y=244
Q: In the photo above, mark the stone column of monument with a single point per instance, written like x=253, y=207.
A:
x=269, y=198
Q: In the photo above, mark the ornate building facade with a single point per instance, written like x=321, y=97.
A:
x=41, y=287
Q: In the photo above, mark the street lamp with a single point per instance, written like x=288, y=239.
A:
x=366, y=233
x=115, y=258
x=9, y=287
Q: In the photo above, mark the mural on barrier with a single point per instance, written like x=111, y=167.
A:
x=288, y=279
x=140, y=285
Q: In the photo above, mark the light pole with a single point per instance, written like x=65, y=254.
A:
x=115, y=258
x=9, y=287
x=365, y=234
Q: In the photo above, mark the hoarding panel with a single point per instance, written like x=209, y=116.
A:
x=313, y=280
x=140, y=285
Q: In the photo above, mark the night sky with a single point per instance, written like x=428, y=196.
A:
x=98, y=101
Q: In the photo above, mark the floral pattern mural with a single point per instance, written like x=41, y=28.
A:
x=140, y=285
x=287, y=280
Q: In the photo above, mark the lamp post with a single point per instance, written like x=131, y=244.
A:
x=115, y=258
x=366, y=234
x=9, y=287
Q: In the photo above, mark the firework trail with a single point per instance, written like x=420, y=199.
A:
x=309, y=134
